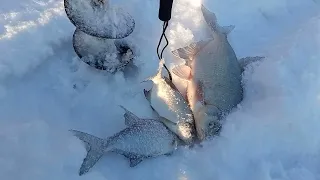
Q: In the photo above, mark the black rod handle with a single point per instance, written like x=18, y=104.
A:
x=165, y=10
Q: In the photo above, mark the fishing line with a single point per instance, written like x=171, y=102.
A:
x=165, y=16
x=165, y=26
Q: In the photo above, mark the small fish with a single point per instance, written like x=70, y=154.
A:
x=142, y=139
x=174, y=111
x=214, y=76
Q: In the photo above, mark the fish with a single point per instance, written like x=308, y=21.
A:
x=214, y=74
x=140, y=140
x=171, y=107
x=97, y=18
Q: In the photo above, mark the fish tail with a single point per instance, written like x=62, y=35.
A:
x=212, y=22
x=95, y=149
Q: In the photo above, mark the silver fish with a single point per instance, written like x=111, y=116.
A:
x=214, y=76
x=172, y=108
x=142, y=139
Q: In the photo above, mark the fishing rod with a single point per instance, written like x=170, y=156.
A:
x=164, y=15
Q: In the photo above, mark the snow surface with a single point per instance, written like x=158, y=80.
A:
x=44, y=91
x=100, y=19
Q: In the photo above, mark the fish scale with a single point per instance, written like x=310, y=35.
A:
x=131, y=139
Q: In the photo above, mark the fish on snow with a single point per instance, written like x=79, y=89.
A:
x=142, y=139
x=172, y=108
x=214, y=76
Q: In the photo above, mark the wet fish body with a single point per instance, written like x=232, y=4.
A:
x=172, y=108
x=142, y=139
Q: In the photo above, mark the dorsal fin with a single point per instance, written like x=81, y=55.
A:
x=210, y=18
x=183, y=72
x=130, y=118
x=191, y=50
x=212, y=22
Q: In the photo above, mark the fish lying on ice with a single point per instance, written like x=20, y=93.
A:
x=214, y=76
x=142, y=139
x=174, y=111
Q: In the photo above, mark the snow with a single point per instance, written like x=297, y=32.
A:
x=100, y=19
x=45, y=91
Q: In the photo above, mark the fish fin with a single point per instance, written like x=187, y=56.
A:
x=159, y=73
x=130, y=118
x=182, y=71
x=147, y=94
x=198, y=106
x=191, y=50
x=212, y=22
x=135, y=160
x=210, y=18
x=167, y=122
x=95, y=149
x=227, y=29
x=172, y=126
x=244, y=62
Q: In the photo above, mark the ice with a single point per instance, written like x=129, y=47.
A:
x=273, y=134
x=85, y=44
x=104, y=54
x=98, y=18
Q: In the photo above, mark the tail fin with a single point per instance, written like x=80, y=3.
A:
x=212, y=22
x=95, y=149
x=210, y=18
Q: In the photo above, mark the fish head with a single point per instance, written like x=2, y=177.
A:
x=207, y=120
x=184, y=130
